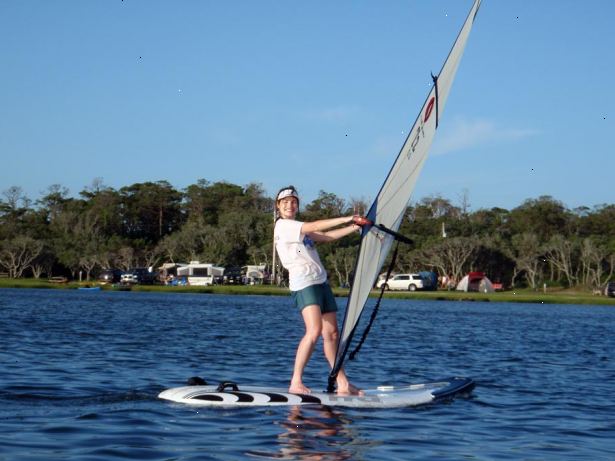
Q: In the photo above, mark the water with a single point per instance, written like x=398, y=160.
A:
x=80, y=372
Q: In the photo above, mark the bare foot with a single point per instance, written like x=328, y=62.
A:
x=349, y=390
x=298, y=389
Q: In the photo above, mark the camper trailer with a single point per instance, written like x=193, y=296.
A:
x=200, y=274
x=255, y=274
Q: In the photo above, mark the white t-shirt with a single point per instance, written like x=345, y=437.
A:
x=298, y=255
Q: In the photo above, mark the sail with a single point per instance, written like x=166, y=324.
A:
x=389, y=207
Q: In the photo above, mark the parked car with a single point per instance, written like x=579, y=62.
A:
x=610, y=289
x=411, y=282
x=110, y=276
x=139, y=275
x=232, y=276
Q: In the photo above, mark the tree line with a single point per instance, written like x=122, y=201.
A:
x=145, y=224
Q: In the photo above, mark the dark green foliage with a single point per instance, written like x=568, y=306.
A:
x=150, y=210
x=146, y=224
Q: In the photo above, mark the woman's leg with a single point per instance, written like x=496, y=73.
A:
x=313, y=329
x=330, y=336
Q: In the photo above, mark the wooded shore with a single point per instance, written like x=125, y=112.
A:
x=148, y=224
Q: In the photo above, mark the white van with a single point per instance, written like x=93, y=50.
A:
x=410, y=282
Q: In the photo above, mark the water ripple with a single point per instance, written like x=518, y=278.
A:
x=81, y=373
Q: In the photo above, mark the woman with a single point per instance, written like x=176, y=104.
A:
x=312, y=295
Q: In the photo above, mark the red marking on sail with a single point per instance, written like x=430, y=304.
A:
x=429, y=108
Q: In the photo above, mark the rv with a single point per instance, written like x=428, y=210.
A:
x=200, y=274
x=255, y=274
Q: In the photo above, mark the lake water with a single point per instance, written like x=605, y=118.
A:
x=80, y=372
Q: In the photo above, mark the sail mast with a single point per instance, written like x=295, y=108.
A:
x=273, y=280
x=389, y=207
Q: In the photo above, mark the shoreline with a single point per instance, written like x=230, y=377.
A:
x=552, y=296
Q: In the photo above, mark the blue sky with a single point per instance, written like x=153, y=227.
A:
x=318, y=94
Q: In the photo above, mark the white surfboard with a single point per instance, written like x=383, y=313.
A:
x=230, y=394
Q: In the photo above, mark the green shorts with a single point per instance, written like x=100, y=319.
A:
x=315, y=294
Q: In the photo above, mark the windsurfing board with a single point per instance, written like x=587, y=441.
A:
x=228, y=394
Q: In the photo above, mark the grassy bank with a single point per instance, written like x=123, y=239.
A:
x=517, y=296
x=553, y=296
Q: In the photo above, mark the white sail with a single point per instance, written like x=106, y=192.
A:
x=390, y=205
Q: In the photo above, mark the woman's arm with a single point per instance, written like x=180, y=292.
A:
x=319, y=231
x=324, y=224
x=334, y=234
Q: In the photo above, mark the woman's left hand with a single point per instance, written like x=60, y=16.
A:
x=361, y=221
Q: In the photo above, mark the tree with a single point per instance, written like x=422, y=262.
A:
x=88, y=262
x=170, y=247
x=76, y=237
x=342, y=260
x=464, y=202
x=559, y=253
x=12, y=211
x=206, y=201
x=597, y=222
x=13, y=195
x=54, y=202
x=255, y=199
x=17, y=254
x=359, y=206
x=594, y=259
x=326, y=205
x=408, y=260
x=452, y=256
x=489, y=222
x=216, y=247
x=492, y=258
x=543, y=216
x=125, y=258
x=527, y=253
x=196, y=199
x=43, y=263
x=426, y=220
x=260, y=254
x=197, y=241
x=150, y=210
x=106, y=204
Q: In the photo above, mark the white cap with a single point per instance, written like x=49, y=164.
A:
x=288, y=192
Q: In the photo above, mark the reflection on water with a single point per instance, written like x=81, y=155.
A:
x=316, y=433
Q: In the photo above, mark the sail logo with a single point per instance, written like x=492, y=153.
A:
x=429, y=108
x=420, y=129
